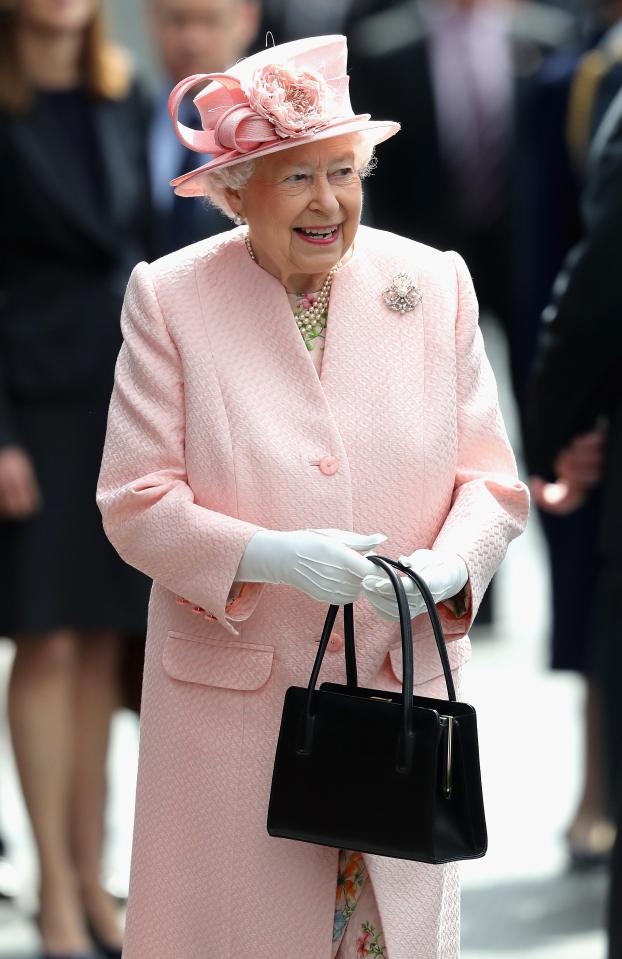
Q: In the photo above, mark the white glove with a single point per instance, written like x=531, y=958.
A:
x=445, y=573
x=324, y=564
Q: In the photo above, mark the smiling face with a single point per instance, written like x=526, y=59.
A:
x=303, y=208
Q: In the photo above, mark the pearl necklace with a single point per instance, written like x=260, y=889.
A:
x=310, y=322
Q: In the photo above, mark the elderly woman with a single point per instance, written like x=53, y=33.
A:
x=283, y=390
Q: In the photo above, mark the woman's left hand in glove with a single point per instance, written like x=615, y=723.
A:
x=445, y=573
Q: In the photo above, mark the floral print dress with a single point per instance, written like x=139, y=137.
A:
x=357, y=929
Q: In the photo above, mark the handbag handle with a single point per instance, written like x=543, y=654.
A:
x=437, y=628
x=407, y=735
x=424, y=589
x=406, y=744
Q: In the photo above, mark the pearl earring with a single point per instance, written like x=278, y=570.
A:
x=239, y=220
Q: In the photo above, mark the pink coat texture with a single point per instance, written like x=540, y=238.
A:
x=219, y=425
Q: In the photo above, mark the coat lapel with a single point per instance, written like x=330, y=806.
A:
x=374, y=378
x=278, y=324
x=368, y=344
x=257, y=332
x=118, y=165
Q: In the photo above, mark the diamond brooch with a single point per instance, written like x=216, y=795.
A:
x=402, y=296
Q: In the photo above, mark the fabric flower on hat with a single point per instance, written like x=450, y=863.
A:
x=294, y=102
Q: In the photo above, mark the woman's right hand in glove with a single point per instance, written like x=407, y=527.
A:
x=326, y=564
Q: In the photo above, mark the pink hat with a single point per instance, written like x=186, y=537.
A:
x=277, y=99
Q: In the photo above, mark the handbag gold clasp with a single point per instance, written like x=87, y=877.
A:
x=448, y=723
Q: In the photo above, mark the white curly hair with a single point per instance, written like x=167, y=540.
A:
x=236, y=177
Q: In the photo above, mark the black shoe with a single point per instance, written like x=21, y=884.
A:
x=592, y=850
x=104, y=948
x=107, y=951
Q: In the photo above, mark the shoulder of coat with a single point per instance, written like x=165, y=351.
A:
x=175, y=265
x=544, y=25
x=393, y=254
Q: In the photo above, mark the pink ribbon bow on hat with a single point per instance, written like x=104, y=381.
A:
x=279, y=103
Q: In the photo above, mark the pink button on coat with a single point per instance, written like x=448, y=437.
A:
x=217, y=424
x=329, y=465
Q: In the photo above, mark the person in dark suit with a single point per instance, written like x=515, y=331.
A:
x=191, y=37
x=75, y=219
x=576, y=384
x=562, y=109
x=565, y=105
x=460, y=65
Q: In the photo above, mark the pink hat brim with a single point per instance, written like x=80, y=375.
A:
x=379, y=130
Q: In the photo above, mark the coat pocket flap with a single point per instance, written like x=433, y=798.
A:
x=427, y=661
x=230, y=665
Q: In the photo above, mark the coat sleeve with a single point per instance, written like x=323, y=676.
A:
x=149, y=510
x=490, y=505
x=8, y=435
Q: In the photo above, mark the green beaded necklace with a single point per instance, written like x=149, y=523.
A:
x=310, y=329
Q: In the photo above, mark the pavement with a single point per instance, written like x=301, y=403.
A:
x=520, y=900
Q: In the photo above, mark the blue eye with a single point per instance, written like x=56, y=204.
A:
x=296, y=178
x=344, y=172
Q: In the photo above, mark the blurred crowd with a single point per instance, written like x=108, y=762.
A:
x=510, y=153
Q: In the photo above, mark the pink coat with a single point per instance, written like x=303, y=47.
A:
x=219, y=425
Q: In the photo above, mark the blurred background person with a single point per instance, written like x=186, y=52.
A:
x=190, y=36
x=291, y=19
x=459, y=64
x=562, y=108
x=75, y=219
x=566, y=103
x=581, y=344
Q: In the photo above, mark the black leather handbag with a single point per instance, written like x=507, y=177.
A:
x=375, y=771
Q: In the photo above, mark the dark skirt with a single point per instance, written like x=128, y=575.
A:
x=57, y=569
x=571, y=542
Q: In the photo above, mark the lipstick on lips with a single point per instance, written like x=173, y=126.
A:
x=319, y=235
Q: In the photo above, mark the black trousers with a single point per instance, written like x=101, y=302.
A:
x=609, y=671
x=607, y=667
x=614, y=912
